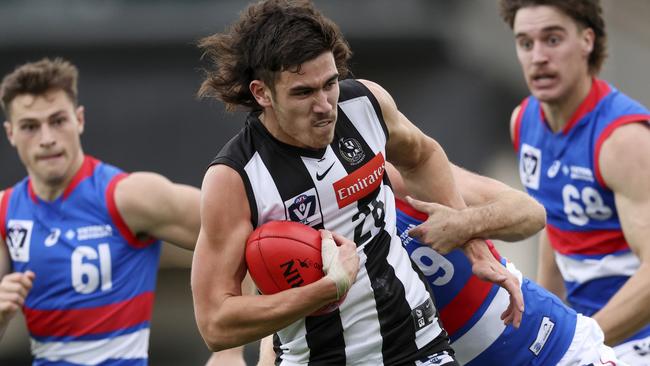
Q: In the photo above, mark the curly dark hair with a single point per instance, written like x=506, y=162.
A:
x=586, y=13
x=38, y=78
x=270, y=37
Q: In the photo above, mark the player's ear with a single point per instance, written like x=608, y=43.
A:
x=81, y=121
x=587, y=41
x=261, y=93
x=10, y=132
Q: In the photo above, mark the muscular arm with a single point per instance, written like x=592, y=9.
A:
x=495, y=210
x=625, y=167
x=426, y=171
x=152, y=205
x=225, y=317
x=548, y=274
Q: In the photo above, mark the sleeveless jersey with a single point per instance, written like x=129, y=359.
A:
x=470, y=309
x=561, y=171
x=388, y=316
x=93, y=294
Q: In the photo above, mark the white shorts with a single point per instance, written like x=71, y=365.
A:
x=635, y=352
x=587, y=347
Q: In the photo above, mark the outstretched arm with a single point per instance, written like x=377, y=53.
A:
x=625, y=166
x=427, y=174
x=152, y=205
x=495, y=211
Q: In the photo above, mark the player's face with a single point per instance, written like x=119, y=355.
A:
x=303, y=105
x=46, y=129
x=553, y=52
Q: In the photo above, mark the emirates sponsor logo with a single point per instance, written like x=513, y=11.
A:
x=361, y=182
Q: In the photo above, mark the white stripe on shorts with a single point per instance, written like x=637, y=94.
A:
x=128, y=346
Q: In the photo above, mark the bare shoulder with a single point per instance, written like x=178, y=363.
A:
x=143, y=199
x=624, y=158
x=225, y=210
x=224, y=182
x=381, y=94
x=396, y=122
x=137, y=186
x=143, y=180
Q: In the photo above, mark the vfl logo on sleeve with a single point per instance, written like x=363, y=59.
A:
x=530, y=164
x=361, y=182
x=543, y=333
x=304, y=208
x=19, y=235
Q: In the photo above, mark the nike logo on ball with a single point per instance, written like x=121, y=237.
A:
x=321, y=176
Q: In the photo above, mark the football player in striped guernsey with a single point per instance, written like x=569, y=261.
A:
x=583, y=149
x=79, y=238
x=550, y=332
x=313, y=150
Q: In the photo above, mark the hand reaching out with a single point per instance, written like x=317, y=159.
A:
x=487, y=268
x=446, y=228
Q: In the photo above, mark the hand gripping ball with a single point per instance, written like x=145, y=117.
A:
x=284, y=254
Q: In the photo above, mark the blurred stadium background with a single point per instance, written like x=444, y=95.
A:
x=450, y=65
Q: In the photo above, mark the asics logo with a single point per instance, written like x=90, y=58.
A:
x=53, y=238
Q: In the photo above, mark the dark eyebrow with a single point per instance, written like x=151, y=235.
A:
x=333, y=78
x=302, y=88
x=58, y=113
x=27, y=120
x=549, y=29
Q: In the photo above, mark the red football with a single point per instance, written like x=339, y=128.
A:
x=284, y=254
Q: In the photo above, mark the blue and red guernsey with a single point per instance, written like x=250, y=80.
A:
x=561, y=171
x=93, y=294
x=470, y=309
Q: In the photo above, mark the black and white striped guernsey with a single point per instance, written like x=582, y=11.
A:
x=388, y=316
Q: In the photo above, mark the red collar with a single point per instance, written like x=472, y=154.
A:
x=86, y=170
x=599, y=90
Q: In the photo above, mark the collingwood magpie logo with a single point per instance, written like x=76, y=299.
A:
x=19, y=235
x=351, y=150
